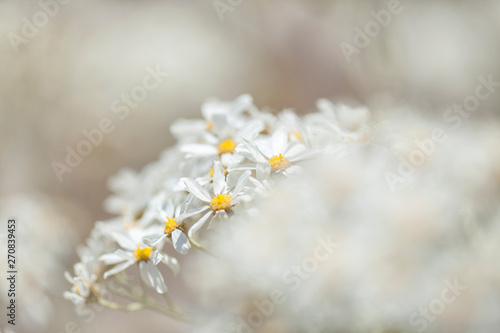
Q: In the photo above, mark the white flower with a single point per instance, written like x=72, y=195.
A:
x=222, y=143
x=219, y=204
x=85, y=289
x=294, y=126
x=135, y=250
x=275, y=154
x=213, y=109
x=173, y=227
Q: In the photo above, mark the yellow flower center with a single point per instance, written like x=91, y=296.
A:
x=143, y=254
x=279, y=163
x=226, y=146
x=221, y=202
x=170, y=226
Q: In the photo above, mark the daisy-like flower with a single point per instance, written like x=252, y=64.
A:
x=223, y=145
x=275, y=154
x=226, y=133
x=218, y=205
x=193, y=129
x=294, y=126
x=232, y=174
x=136, y=251
x=84, y=289
x=173, y=229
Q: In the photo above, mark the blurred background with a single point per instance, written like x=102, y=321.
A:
x=63, y=75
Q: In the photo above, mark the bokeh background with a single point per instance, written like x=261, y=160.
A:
x=286, y=54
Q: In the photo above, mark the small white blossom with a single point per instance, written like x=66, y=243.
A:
x=135, y=251
x=275, y=154
x=220, y=202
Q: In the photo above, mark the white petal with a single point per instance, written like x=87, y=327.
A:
x=183, y=127
x=218, y=217
x=264, y=146
x=199, y=149
x=124, y=240
x=81, y=270
x=143, y=272
x=228, y=159
x=118, y=268
x=241, y=182
x=220, y=124
x=153, y=242
x=218, y=178
x=84, y=288
x=246, y=166
x=169, y=209
x=233, y=177
x=180, y=241
x=172, y=263
x=212, y=140
x=111, y=258
x=257, y=184
x=152, y=276
x=156, y=257
x=241, y=103
x=251, y=129
x=299, y=152
x=193, y=187
x=199, y=224
x=77, y=299
x=292, y=170
x=193, y=212
x=295, y=148
x=279, y=142
x=254, y=152
x=69, y=278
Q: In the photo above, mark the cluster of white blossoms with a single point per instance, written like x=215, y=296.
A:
x=320, y=223
x=220, y=165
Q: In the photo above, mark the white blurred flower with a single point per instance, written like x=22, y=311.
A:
x=84, y=289
x=135, y=251
x=351, y=124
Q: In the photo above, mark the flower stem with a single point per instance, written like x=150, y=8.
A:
x=169, y=301
x=149, y=303
x=115, y=306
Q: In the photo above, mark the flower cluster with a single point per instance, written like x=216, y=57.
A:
x=320, y=223
x=220, y=165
